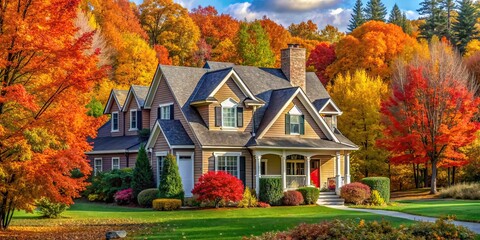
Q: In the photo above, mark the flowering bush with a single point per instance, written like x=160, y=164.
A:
x=292, y=198
x=355, y=193
x=263, y=205
x=124, y=197
x=216, y=187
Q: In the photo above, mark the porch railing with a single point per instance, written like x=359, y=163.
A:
x=296, y=181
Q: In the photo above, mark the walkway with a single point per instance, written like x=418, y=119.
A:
x=475, y=227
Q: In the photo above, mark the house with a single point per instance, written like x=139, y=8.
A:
x=248, y=121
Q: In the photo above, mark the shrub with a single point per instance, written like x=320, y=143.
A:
x=215, y=187
x=166, y=204
x=106, y=184
x=249, y=199
x=124, y=197
x=271, y=190
x=146, y=197
x=376, y=199
x=93, y=197
x=348, y=229
x=381, y=184
x=263, y=205
x=292, y=198
x=355, y=193
x=170, y=180
x=142, y=173
x=462, y=191
x=310, y=194
x=50, y=209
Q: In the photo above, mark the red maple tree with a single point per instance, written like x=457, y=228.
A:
x=320, y=58
x=218, y=186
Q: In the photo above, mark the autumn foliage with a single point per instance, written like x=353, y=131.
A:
x=216, y=187
x=320, y=58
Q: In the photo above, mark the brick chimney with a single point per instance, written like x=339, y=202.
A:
x=293, y=65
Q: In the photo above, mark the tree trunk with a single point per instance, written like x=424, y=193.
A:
x=453, y=175
x=433, y=186
x=448, y=177
x=425, y=175
x=415, y=176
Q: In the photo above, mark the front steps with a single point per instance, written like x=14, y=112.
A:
x=330, y=198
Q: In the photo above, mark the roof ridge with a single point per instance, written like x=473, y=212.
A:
x=218, y=70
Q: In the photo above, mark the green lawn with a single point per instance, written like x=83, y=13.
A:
x=199, y=224
x=464, y=210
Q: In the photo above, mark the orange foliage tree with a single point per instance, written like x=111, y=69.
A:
x=373, y=46
x=214, y=28
x=45, y=73
x=429, y=116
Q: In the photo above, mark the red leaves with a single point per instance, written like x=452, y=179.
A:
x=218, y=186
x=321, y=57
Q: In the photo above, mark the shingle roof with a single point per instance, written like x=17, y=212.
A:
x=175, y=133
x=298, y=143
x=217, y=65
x=121, y=96
x=116, y=143
x=320, y=103
x=209, y=82
x=141, y=93
x=342, y=138
x=278, y=99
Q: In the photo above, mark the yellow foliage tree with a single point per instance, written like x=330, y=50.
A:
x=471, y=48
x=359, y=96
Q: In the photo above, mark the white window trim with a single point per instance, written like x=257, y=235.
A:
x=266, y=163
x=161, y=106
x=159, y=154
x=230, y=103
x=228, y=154
x=118, y=122
x=95, y=166
x=295, y=111
x=116, y=158
x=136, y=120
x=295, y=166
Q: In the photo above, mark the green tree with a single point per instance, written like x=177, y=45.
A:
x=170, y=181
x=375, y=10
x=357, y=16
x=254, y=45
x=359, y=96
x=396, y=16
x=406, y=24
x=464, y=29
x=448, y=7
x=435, y=19
x=142, y=173
x=95, y=108
x=331, y=34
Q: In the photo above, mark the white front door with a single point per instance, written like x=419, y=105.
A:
x=185, y=166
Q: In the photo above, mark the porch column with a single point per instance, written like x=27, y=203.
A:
x=338, y=177
x=308, y=172
x=258, y=173
x=284, y=171
x=347, y=168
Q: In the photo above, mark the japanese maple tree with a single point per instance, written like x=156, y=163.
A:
x=218, y=186
x=430, y=114
x=46, y=69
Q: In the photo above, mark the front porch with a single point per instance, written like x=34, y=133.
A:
x=321, y=169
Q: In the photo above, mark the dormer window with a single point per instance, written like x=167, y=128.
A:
x=133, y=119
x=165, y=111
x=114, y=121
x=294, y=122
x=229, y=113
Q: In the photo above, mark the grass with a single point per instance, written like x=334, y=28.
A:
x=463, y=210
x=193, y=224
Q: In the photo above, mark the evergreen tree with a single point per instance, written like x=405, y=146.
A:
x=406, y=25
x=435, y=22
x=170, y=180
x=396, y=16
x=375, y=10
x=254, y=45
x=464, y=29
x=142, y=173
x=357, y=16
x=448, y=7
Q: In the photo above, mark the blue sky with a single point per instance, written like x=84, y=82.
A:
x=322, y=12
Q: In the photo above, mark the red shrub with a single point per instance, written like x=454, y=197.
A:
x=292, y=198
x=263, y=205
x=124, y=197
x=218, y=186
x=355, y=193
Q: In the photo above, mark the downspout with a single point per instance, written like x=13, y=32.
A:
x=249, y=150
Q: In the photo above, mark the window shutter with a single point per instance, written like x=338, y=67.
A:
x=171, y=112
x=139, y=119
x=159, y=111
x=302, y=125
x=218, y=116
x=239, y=117
x=243, y=176
x=287, y=124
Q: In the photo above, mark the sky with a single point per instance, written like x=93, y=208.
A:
x=285, y=12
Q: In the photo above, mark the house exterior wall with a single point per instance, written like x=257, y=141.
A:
x=312, y=130
x=327, y=169
x=163, y=95
x=107, y=160
x=208, y=157
x=121, y=121
x=273, y=164
x=146, y=119
x=132, y=105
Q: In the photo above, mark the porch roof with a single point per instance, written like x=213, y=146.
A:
x=300, y=143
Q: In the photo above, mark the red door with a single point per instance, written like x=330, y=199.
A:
x=315, y=172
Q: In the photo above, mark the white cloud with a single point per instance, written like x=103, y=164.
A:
x=242, y=11
x=188, y=4
x=292, y=5
x=412, y=14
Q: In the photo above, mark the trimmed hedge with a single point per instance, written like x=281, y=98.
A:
x=166, y=204
x=310, y=194
x=271, y=191
x=381, y=184
x=146, y=197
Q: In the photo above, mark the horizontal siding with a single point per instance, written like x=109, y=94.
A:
x=312, y=130
x=163, y=95
x=146, y=118
x=205, y=114
x=121, y=121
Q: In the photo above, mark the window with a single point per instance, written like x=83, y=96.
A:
x=294, y=122
x=115, y=163
x=229, y=164
x=295, y=168
x=165, y=111
x=159, y=167
x=114, y=121
x=97, y=166
x=229, y=113
x=133, y=120
x=263, y=167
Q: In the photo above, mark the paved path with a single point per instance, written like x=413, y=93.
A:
x=475, y=227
